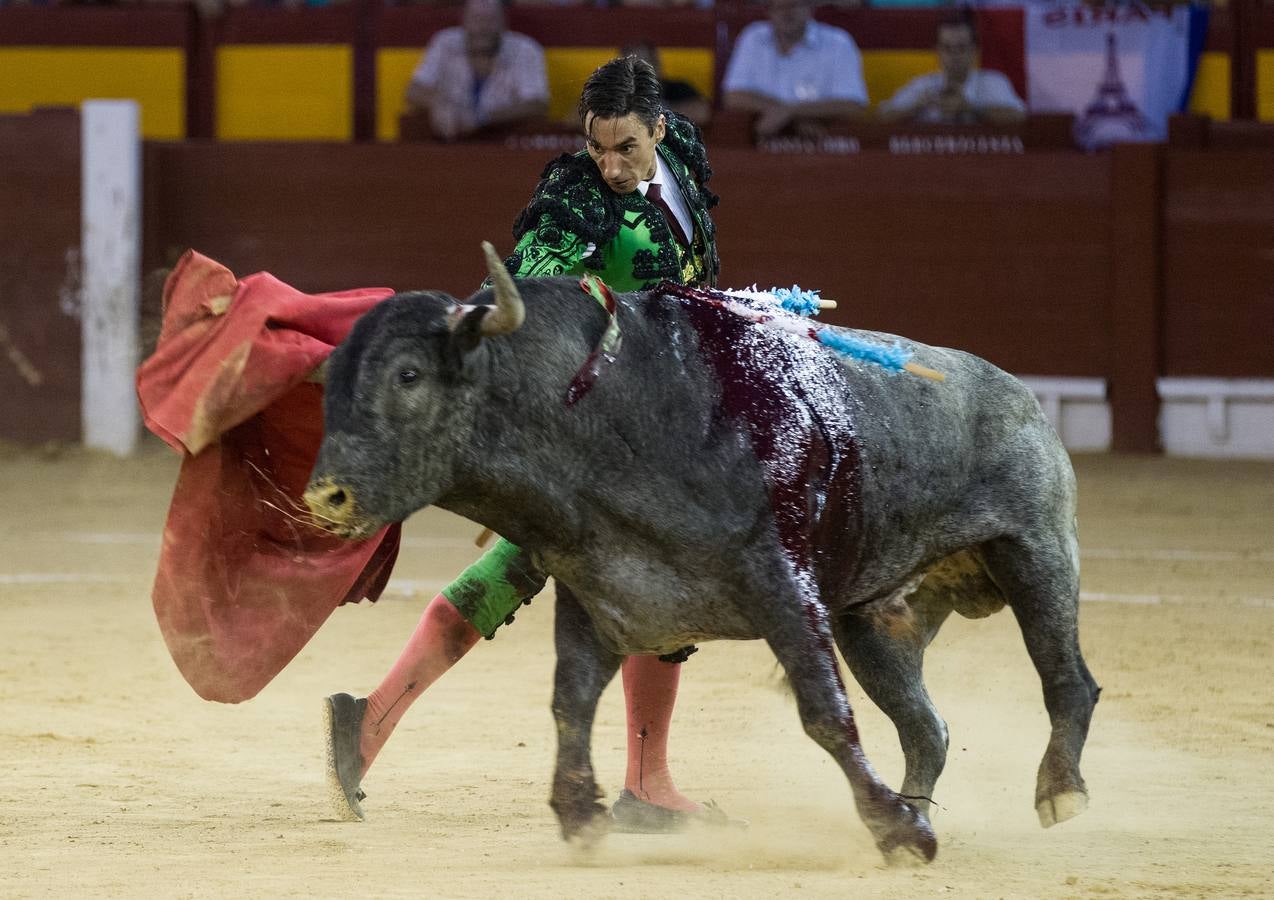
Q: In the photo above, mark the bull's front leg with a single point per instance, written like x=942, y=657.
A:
x=795, y=624
x=584, y=668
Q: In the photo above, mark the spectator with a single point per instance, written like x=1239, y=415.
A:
x=479, y=75
x=795, y=73
x=960, y=93
x=679, y=96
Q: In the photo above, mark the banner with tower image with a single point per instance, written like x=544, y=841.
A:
x=1122, y=68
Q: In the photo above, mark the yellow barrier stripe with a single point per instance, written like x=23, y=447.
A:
x=155, y=77
x=285, y=92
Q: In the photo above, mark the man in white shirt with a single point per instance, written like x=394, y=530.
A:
x=960, y=93
x=479, y=75
x=794, y=72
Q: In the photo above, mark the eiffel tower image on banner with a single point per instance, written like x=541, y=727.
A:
x=1111, y=116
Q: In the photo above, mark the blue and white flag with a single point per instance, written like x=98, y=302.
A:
x=1121, y=68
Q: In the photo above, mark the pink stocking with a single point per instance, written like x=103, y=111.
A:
x=650, y=691
x=440, y=639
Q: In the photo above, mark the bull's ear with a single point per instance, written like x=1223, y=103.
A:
x=464, y=339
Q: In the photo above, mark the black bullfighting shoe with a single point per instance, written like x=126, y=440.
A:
x=344, y=716
x=633, y=815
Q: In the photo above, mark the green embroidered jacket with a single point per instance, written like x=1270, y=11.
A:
x=575, y=223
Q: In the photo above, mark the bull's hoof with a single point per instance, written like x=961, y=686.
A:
x=909, y=841
x=912, y=849
x=1060, y=807
x=585, y=827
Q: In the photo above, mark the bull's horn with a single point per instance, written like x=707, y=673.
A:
x=509, y=311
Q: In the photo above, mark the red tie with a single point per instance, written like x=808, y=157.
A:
x=654, y=196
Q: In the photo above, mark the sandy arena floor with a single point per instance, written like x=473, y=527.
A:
x=122, y=783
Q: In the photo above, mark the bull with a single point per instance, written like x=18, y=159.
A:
x=723, y=480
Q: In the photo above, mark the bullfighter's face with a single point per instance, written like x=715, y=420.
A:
x=624, y=149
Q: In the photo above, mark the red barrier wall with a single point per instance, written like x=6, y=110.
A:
x=1142, y=262
x=1007, y=257
x=39, y=262
x=1125, y=265
x=1218, y=263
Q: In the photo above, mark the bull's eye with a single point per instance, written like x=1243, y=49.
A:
x=407, y=376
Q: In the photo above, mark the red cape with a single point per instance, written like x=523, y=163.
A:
x=244, y=581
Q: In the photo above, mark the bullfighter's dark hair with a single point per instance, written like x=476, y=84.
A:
x=625, y=85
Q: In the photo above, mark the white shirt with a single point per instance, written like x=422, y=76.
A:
x=517, y=75
x=982, y=88
x=824, y=65
x=670, y=191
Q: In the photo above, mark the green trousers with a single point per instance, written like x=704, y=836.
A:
x=488, y=592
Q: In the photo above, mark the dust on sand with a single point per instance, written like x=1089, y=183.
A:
x=121, y=782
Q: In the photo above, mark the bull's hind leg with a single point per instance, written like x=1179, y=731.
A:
x=1039, y=575
x=886, y=655
x=584, y=668
x=799, y=632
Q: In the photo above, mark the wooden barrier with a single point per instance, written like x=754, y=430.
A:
x=1218, y=263
x=1044, y=263
x=1006, y=257
x=39, y=277
x=1218, y=216
x=734, y=129
x=1126, y=266
x=323, y=215
x=1196, y=132
x=1133, y=299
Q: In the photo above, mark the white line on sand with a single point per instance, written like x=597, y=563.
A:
x=417, y=586
x=1171, y=555
x=456, y=543
x=61, y=578
x=403, y=586
x=101, y=537
x=1175, y=600
x=1156, y=554
x=414, y=586
x=153, y=539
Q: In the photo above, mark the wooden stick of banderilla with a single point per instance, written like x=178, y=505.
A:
x=924, y=371
x=485, y=536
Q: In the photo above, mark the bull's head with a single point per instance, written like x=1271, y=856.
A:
x=402, y=392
